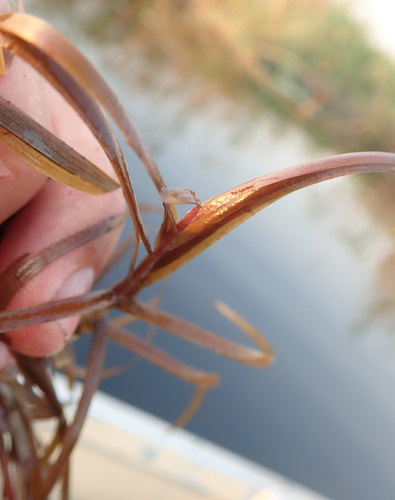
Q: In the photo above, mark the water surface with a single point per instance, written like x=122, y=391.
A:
x=302, y=271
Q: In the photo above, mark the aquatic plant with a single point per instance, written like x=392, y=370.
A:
x=31, y=468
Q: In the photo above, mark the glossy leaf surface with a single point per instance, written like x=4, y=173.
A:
x=35, y=144
x=203, y=226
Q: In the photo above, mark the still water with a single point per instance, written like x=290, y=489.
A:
x=303, y=272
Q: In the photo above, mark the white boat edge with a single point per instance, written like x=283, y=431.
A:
x=156, y=438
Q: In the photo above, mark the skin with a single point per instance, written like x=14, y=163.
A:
x=43, y=211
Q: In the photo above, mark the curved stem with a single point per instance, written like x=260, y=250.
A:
x=51, y=311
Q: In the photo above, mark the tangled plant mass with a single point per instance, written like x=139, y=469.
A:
x=30, y=469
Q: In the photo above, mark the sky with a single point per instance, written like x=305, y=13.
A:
x=379, y=16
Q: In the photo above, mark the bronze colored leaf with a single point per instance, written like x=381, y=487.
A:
x=21, y=271
x=248, y=329
x=203, y=226
x=192, y=407
x=197, y=335
x=57, y=60
x=47, y=153
x=44, y=313
x=40, y=44
x=161, y=359
x=3, y=69
x=83, y=87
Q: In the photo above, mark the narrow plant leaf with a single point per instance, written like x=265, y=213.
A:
x=127, y=319
x=3, y=69
x=248, y=329
x=159, y=358
x=130, y=239
x=78, y=82
x=24, y=445
x=120, y=252
x=192, y=407
x=14, y=278
x=44, y=313
x=195, y=334
x=95, y=364
x=36, y=373
x=203, y=226
x=113, y=371
x=5, y=459
x=64, y=361
x=168, y=227
x=50, y=46
x=79, y=372
x=47, y=153
x=66, y=482
x=7, y=277
x=23, y=392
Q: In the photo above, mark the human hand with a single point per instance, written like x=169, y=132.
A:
x=46, y=211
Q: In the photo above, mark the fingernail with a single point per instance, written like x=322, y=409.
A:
x=77, y=284
x=7, y=57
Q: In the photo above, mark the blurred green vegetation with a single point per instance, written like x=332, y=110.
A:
x=308, y=60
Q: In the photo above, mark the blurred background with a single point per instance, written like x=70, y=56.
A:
x=224, y=92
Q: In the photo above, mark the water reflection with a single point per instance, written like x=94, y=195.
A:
x=324, y=414
x=307, y=60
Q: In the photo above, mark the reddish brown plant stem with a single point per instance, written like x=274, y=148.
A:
x=43, y=313
x=95, y=364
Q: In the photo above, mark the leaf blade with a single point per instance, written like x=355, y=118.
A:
x=196, y=334
x=25, y=268
x=58, y=309
x=201, y=227
x=158, y=357
x=50, y=155
x=51, y=44
x=60, y=63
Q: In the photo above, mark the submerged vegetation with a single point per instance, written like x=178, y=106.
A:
x=281, y=69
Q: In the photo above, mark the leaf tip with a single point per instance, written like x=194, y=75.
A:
x=179, y=196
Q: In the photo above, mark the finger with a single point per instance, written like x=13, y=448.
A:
x=57, y=212
x=19, y=181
